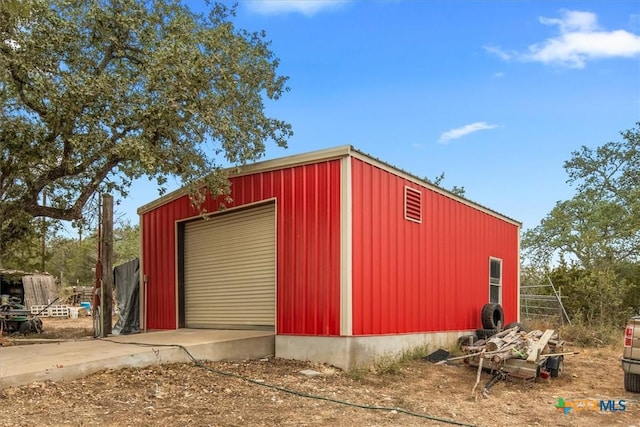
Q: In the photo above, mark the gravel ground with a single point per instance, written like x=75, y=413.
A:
x=274, y=392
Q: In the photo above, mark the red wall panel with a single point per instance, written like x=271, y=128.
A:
x=308, y=247
x=429, y=276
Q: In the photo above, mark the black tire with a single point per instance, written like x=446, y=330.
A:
x=483, y=334
x=492, y=316
x=467, y=339
x=632, y=382
x=516, y=324
x=555, y=365
x=25, y=327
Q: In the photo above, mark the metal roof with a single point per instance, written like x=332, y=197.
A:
x=325, y=155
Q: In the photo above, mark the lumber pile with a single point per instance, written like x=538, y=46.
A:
x=511, y=343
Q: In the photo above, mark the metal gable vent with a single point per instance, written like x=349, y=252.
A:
x=412, y=204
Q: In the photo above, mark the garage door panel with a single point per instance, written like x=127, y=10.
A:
x=223, y=263
x=221, y=298
x=258, y=242
x=239, y=276
x=229, y=270
x=230, y=242
x=232, y=252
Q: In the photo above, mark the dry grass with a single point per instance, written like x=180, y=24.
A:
x=580, y=334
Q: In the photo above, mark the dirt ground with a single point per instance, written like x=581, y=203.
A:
x=274, y=392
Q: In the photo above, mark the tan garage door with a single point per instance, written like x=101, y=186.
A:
x=230, y=270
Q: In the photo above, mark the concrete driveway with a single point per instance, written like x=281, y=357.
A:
x=68, y=360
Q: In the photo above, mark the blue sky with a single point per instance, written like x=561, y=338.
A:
x=494, y=94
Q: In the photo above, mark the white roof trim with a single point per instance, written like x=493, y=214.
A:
x=264, y=166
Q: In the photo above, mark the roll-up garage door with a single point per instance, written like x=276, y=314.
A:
x=230, y=270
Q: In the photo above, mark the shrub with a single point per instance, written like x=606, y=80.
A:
x=591, y=335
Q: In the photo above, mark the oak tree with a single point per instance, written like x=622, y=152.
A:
x=95, y=94
x=600, y=226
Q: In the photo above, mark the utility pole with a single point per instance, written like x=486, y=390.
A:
x=43, y=248
x=106, y=301
x=1, y=246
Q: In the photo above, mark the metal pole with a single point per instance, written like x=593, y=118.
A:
x=559, y=301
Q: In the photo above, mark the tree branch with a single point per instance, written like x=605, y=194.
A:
x=75, y=211
x=108, y=56
x=130, y=58
x=20, y=82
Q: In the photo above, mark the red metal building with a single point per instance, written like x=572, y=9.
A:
x=342, y=255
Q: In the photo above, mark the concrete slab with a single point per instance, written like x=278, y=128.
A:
x=74, y=359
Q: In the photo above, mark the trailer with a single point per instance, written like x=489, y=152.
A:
x=515, y=354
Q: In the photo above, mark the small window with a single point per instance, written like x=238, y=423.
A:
x=495, y=280
x=412, y=204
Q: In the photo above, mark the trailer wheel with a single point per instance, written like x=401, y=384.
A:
x=492, y=316
x=632, y=382
x=555, y=365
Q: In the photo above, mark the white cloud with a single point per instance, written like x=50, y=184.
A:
x=498, y=75
x=500, y=53
x=580, y=39
x=464, y=130
x=305, y=7
x=574, y=49
x=573, y=20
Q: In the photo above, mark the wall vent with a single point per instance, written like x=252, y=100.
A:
x=412, y=204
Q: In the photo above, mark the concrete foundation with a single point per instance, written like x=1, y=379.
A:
x=355, y=352
x=69, y=360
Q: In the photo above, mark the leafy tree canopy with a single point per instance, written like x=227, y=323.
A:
x=72, y=260
x=458, y=191
x=600, y=226
x=94, y=94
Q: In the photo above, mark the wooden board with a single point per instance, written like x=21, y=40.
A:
x=540, y=345
x=39, y=289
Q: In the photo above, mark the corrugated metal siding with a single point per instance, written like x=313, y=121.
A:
x=433, y=276
x=308, y=247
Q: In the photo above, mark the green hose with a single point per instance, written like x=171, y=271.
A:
x=199, y=363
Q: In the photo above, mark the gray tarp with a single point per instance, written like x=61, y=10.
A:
x=127, y=284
